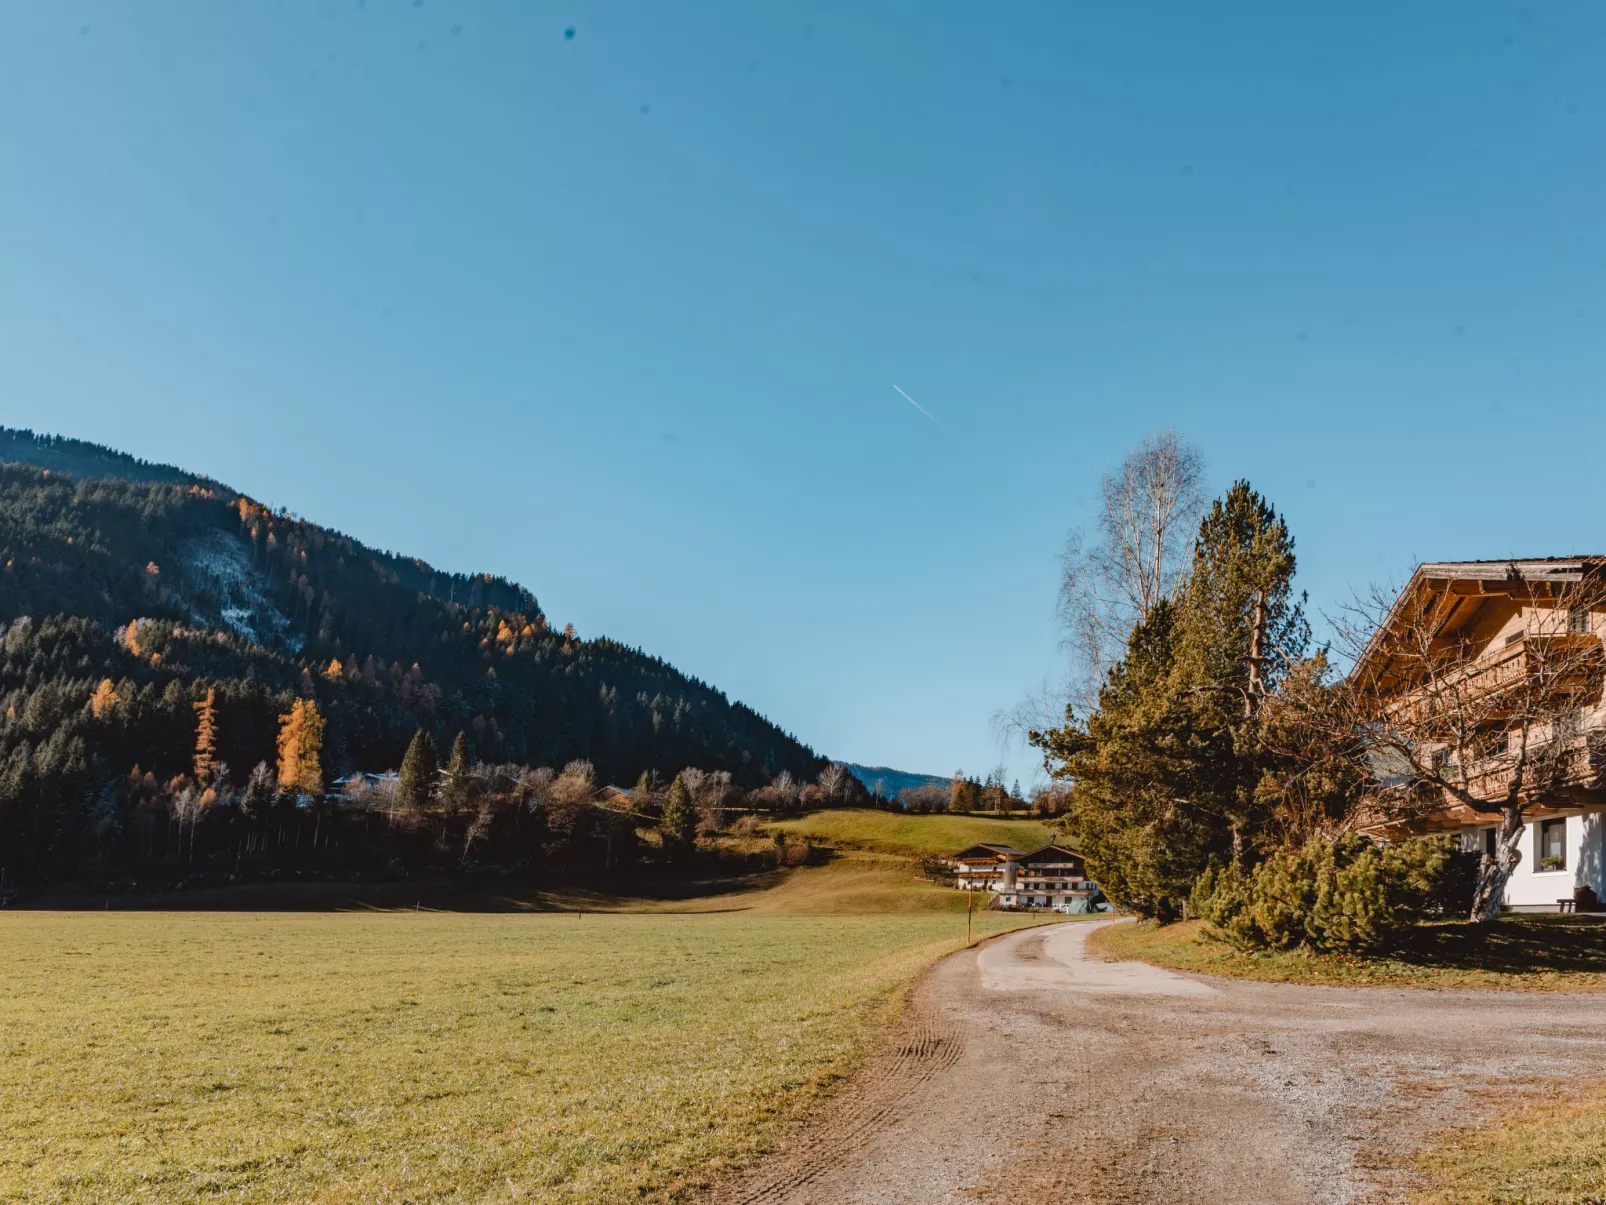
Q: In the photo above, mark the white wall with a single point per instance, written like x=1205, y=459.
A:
x=1531, y=887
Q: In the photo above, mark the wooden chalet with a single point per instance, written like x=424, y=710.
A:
x=1054, y=877
x=981, y=867
x=1497, y=624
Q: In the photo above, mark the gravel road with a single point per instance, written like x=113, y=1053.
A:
x=1029, y=1073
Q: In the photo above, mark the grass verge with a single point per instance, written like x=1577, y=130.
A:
x=911, y=836
x=1516, y=953
x=1544, y=1152
x=429, y=1057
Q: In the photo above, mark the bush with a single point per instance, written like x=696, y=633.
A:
x=1349, y=895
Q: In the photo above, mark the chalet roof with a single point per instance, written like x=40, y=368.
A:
x=987, y=849
x=1053, y=853
x=1475, y=580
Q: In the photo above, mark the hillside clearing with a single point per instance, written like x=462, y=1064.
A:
x=411, y=1055
x=903, y=835
x=1535, y=953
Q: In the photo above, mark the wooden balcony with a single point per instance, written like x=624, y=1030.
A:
x=1536, y=670
x=1575, y=768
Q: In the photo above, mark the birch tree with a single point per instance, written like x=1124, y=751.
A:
x=1136, y=554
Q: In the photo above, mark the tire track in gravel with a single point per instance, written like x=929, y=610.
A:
x=926, y=1046
x=1028, y=1071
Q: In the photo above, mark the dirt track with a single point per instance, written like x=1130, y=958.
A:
x=1028, y=1073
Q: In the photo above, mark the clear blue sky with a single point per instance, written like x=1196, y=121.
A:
x=619, y=315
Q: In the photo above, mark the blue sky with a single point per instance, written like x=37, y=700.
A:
x=620, y=315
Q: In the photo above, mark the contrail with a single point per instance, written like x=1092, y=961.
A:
x=918, y=407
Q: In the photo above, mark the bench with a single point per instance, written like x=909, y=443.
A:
x=1567, y=905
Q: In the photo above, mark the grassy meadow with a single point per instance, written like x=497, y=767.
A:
x=420, y=1057
x=1549, y=1151
x=908, y=836
x=1517, y=953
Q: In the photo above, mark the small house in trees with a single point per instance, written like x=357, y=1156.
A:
x=1489, y=676
x=1054, y=877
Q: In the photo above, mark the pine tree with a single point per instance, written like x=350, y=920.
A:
x=679, y=823
x=1144, y=843
x=455, y=784
x=642, y=798
x=1240, y=624
x=419, y=769
x=1240, y=630
x=206, y=737
x=1168, y=770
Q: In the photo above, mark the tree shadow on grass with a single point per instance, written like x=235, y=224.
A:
x=1513, y=945
x=661, y=888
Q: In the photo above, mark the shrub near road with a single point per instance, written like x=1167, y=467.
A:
x=423, y=1057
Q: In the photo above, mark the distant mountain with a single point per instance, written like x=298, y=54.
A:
x=129, y=589
x=81, y=459
x=888, y=782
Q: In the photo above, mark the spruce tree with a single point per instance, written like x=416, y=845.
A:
x=679, y=822
x=416, y=782
x=454, y=785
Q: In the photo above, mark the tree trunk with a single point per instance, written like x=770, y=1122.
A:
x=1496, y=870
x=1257, y=658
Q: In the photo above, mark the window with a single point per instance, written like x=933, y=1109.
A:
x=1489, y=837
x=1578, y=620
x=1445, y=764
x=1569, y=724
x=1553, y=844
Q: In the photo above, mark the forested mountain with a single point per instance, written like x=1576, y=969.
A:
x=887, y=782
x=129, y=591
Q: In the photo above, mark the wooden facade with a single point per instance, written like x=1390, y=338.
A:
x=1486, y=639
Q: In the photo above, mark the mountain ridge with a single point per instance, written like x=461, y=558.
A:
x=887, y=782
x=159, y=584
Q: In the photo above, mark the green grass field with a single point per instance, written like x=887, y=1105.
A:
x=1549, y=1151
x=1516, y=953
x=912, y=836
x=417, y=1056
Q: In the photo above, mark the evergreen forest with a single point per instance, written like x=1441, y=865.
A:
x=195, y=684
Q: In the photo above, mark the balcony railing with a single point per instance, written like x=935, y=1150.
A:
x=1547, y=665
x=1490, y=777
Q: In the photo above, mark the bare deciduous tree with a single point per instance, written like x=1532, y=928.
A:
x=834, y=782
x=1136, y=554
x=707, y=789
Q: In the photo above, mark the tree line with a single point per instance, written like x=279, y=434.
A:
x=125, y=604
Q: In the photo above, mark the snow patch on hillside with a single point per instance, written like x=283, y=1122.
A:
x=229, y=589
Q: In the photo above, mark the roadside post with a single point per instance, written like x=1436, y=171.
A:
x=969, y=896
